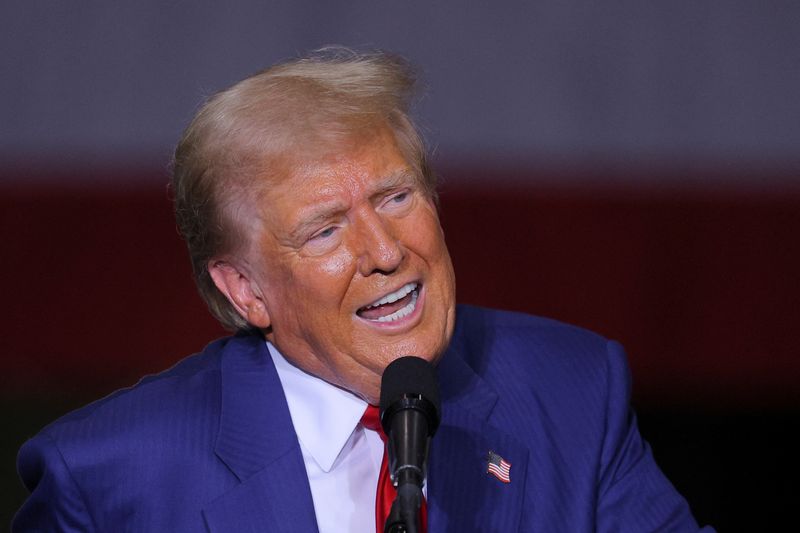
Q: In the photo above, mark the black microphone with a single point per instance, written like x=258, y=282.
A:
x=410, y=416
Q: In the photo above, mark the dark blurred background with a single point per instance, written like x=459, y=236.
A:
x=631, y=167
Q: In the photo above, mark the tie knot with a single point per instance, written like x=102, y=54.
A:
x=371, y=419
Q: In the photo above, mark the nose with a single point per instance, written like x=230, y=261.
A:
x=379, y=249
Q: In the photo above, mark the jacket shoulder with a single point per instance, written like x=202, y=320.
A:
x=130, y=450
x=542, y=366
x=489, y=333
x=157, y=392
x=564, y=393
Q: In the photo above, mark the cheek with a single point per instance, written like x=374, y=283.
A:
x=426, y=237
x=323, y=283
x=336, y=266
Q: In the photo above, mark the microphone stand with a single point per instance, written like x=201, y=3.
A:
x=408, y=448
x=404, y=514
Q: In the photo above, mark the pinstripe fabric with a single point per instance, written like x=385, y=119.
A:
x=553, y=401
x=208, y=445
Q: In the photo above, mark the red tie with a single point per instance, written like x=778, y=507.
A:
x=386, y=491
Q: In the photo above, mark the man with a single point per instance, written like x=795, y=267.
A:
x=309, y=211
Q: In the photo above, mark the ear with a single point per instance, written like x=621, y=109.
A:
x=237, y=287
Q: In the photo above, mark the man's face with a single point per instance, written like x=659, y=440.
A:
x=349, y=263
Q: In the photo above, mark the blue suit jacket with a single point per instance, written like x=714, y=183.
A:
x=209, y=444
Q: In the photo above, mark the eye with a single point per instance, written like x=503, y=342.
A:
x=324, y=234
x=399, y=200
x=324, y=241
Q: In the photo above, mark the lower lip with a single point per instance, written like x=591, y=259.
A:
x=401, y=324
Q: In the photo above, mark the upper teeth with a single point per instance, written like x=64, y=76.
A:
x=394, y=296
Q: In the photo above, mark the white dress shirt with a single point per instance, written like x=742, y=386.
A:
x=343, y=460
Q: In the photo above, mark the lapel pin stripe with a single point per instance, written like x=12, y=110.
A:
x=499, y=467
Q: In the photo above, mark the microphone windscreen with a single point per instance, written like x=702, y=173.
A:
x=409, y=375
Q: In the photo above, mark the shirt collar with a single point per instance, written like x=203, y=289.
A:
x=324, y=416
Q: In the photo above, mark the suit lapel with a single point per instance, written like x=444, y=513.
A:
x=461, y=495
x=258, y=444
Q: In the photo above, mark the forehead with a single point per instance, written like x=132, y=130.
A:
x=362, y=166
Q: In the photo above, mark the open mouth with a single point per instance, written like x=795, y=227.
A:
x=393, y=306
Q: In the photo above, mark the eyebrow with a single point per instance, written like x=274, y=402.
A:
x=394, y=180
x=321, y=213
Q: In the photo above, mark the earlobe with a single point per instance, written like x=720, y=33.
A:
x=237, y=287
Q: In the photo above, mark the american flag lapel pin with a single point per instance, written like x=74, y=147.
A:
x=498, y=467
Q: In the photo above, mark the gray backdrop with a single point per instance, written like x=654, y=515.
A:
x=507, y=81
